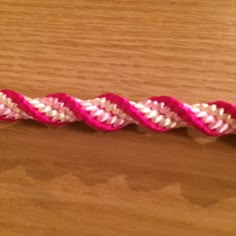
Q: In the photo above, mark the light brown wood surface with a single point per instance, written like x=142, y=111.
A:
x=75, y=181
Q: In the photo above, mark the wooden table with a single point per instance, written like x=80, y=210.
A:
x=76, y=181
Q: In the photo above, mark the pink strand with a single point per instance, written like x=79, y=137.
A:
x=185, y=114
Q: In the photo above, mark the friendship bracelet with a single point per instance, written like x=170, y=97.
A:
x=110, y=112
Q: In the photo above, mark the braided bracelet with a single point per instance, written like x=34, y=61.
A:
x=111, y=112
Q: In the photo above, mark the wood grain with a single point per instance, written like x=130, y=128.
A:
x=75, y=181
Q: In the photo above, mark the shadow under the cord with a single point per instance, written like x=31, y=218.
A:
x=149, y=161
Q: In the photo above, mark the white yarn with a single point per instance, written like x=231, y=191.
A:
x=107, y=112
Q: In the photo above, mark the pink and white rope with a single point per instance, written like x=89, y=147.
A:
x=111, y=112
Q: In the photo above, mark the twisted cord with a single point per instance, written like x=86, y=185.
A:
x=110, y=112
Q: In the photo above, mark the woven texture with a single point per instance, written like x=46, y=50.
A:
x=110, y=112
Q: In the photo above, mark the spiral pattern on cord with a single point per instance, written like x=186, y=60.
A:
x=111, y=112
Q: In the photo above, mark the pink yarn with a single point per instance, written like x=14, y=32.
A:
x=73, y=105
